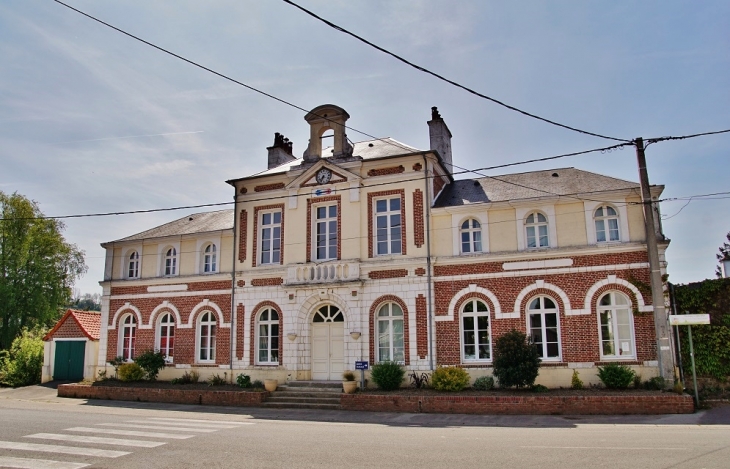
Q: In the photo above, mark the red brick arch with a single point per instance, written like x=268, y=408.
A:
x=252, y=339
x=372, y=320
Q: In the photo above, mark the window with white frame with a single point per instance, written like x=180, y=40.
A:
x=128, y=336
x=268, y=337
x=133, y=265
x=543, y=327
x=390, y=333
x=471, y=236
x=325, y=224
x=606, y=220
x=210, y=258
x=536, y=230
x=616, y=324
x=166, y=336
x=170, y=261
x=476, y=343
x=388, y=225
x=206, y=337
x=270, y=238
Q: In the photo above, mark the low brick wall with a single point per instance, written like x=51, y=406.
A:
x=171, y=396
x=664, y=403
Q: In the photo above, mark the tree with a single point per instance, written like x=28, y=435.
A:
x=85, y=302
x=37, y=268
x=724, y=252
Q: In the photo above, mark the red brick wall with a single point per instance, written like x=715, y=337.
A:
x=386, y=171
x=371, y=213
x=372, y=325
x=267, y=282
x=418, y=230
x=172, y=396
x=383, y=274
x=254, y=259
x=421, y=327
x=69, y=330
x=269, y=187
x=243, y=232
x=317, y=201
x=240, y=314
x=192, y=286
x=252, y=341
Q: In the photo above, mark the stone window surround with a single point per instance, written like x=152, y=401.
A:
x=312, y=204
x=557, y=313
x=522, y=212
x=620, y=206
x=257, y=235
x=371, y=220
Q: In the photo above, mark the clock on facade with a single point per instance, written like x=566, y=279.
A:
x=324, y=175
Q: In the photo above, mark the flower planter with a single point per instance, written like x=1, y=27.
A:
x=349, y=386
x=270, y=384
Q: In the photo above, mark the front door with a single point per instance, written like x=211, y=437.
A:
x=328, y=344
x=69, y=361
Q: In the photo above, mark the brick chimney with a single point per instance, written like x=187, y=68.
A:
x=280, y=152
x=440, y=136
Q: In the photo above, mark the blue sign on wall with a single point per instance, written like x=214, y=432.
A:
x=361, y=365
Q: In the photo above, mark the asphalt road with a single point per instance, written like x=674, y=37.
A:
x=36, y=426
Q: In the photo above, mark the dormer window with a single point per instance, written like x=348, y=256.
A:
x=170, y=261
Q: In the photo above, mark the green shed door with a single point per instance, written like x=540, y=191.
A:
x=69, y=362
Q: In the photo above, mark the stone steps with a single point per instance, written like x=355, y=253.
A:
x=323, y=395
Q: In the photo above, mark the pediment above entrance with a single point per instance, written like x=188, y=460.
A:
x=321, y=174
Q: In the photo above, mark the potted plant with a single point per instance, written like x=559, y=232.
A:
x=270, y=384
x=349, y=385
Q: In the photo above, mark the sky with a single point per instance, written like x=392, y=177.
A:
x=94, y=121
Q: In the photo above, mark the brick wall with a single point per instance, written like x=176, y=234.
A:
x=243, y=232
x=384, y=274
x=69, y=330
x=418, y=229
x=421, y=327
x=172, y=396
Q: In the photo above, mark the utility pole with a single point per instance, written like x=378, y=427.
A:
x=661, y=322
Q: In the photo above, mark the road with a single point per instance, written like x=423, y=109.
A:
x=39, y=430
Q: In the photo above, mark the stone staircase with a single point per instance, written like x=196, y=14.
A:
x=322, y=395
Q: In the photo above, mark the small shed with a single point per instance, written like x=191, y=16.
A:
x=72, y=347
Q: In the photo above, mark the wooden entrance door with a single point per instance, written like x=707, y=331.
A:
x=328, y=344
x=69, y=361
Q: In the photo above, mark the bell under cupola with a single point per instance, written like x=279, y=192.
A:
x=323, y=119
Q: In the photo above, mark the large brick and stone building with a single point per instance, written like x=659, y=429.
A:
x=373, y=251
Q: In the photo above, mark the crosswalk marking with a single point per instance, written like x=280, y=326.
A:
x=210, y=422
x=177, y=425
x=103, y=453
x=109, y=431
x=154, y=427
x=96, y=439
x=23, y=463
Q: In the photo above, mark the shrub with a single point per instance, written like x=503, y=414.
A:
x=615, y=376
x=484, y=383
x=151, y=362
x=258, y=384
x=22, y=364
x=243, y=380
x=387, y=375
x=131, y=372
x=637, y=380
x=216, y=380
x=656, y=383
x=419, y=381
x=348, y=376
x=187, y=378
x=538, y=388
x=450, y=378
x=575, y=381
x=116, y=363
x=516, y=360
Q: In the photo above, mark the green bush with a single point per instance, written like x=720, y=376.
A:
x=615, y=376
x=151, y=362
x=575, y=381
x=131, y=372
x=516, y=360
x=539, y=388
x=243, y=380
x=216, y=380
x=22, y=364
x=258, y=384
x=450, y=378
x=656, y=383
x=387, y=375
x=484, y=383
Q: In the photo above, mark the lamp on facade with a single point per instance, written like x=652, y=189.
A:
x=292, y=336
x=726, y=265
x=355, y=335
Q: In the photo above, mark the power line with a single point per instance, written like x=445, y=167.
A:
x=451, y=82
x=684, y=137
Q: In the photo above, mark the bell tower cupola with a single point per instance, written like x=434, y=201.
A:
x=322, y=119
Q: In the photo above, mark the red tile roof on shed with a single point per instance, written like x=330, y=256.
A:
x=89, y=322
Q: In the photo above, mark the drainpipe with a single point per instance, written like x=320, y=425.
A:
x=429, y=304
x=233, y=287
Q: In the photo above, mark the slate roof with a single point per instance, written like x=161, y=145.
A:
x=88, y=321
x=562, y=181
x=367, y=150
x=195, y=223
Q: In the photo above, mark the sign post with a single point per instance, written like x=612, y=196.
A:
x=688, y=320
x=362, y=366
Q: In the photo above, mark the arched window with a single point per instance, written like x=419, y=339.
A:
x=166, y=336
x=616, y=326
x=328, y=313
x=536, y=230
x=390, y=333
x=128, y=336
x=268, y=337
x=471, y=236
x=206, y=337
x=606, y=220
x=133, y=266
x=476, y=343
x=171, y=261
x=543, y=326
x=209, y=258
